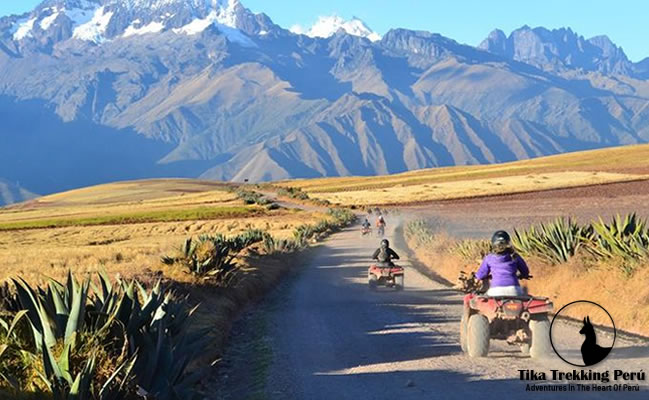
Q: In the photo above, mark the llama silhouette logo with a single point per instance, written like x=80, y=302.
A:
x=591, y=352
x=589, y=342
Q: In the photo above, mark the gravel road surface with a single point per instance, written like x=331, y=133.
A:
x=324, y=335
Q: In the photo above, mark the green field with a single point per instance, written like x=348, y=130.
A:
x=200, y=213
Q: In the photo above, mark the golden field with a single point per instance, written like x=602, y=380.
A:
x=88, y=241
x=620, y=164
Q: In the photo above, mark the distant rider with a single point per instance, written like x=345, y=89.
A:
x=503, y=264
x=366, y=224
x=381, y=221
x=385, y=254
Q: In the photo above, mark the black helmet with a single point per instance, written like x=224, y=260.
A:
x=385, y=243
x=501, y=241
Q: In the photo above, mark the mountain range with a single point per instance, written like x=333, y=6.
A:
x=102, y=90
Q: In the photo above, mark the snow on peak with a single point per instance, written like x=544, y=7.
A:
x=327, y=26
x=23, y=28
x=94, y=29
x=223, y=23
x=136, y=28
x=157, y=4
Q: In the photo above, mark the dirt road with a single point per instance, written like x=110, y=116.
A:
x=324, y=335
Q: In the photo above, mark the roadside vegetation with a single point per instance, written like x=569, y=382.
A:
x=604, y=261
x=296, y=193
x=112, y=340
x=142, y=308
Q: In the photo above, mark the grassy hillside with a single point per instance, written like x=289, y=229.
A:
x=125, y=227
x=617, y=164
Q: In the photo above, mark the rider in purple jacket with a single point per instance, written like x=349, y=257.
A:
x=503, y=265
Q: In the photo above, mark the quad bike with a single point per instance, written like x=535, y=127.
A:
x=385, y=275
x=380, y=232
x=520, y=320
x=365, y=231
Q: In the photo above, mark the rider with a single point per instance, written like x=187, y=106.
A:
x=385, y=254
x=381, y=221
x=503, y=265
x=366, y=224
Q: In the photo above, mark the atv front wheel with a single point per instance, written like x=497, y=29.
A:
x=478, y=336
x=541, y=346
x=464, y=322
x=372, y=281
x=398, y=282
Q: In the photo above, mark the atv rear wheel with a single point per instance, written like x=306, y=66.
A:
x=372, y=281
x=398, y=282
x=541, y=346
x=478, y=336
x=464, y=322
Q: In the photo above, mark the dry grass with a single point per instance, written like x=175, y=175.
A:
x=117, y=199
x=627, y=299
x=473, y=188
x=129, y=249
x=125, y=249
x=566, y=170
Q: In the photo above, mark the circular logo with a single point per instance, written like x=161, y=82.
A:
x=588, y=342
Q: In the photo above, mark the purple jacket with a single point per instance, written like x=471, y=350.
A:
x=503, y=268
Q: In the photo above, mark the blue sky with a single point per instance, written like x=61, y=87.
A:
x=467, y=21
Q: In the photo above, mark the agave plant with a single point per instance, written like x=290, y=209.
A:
x=420, y=231
x=293, y=192
x=302, y=234
x=59, y=379
x=55, y=314
x=143, y=333
x=627, y=238
x=213, y=257
x=10, y=345
x=8, y=299
x=342, y=216
x=555, y=241
x=156, y=325
x=252, y=197
x=273, y=245
x=472, y=250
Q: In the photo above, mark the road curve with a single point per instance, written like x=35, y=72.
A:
x=329, y=337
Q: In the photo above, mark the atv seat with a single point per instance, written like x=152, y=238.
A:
x=522, y=298
x=388, y=264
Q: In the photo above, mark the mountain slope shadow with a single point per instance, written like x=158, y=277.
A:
x=46, y=154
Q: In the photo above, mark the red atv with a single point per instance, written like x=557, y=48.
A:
x=365, y=231
x=388, y=275
x=520, y=320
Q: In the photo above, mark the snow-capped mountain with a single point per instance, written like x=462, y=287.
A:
x=104, y=90
x=97, y=21
x=327, y=26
